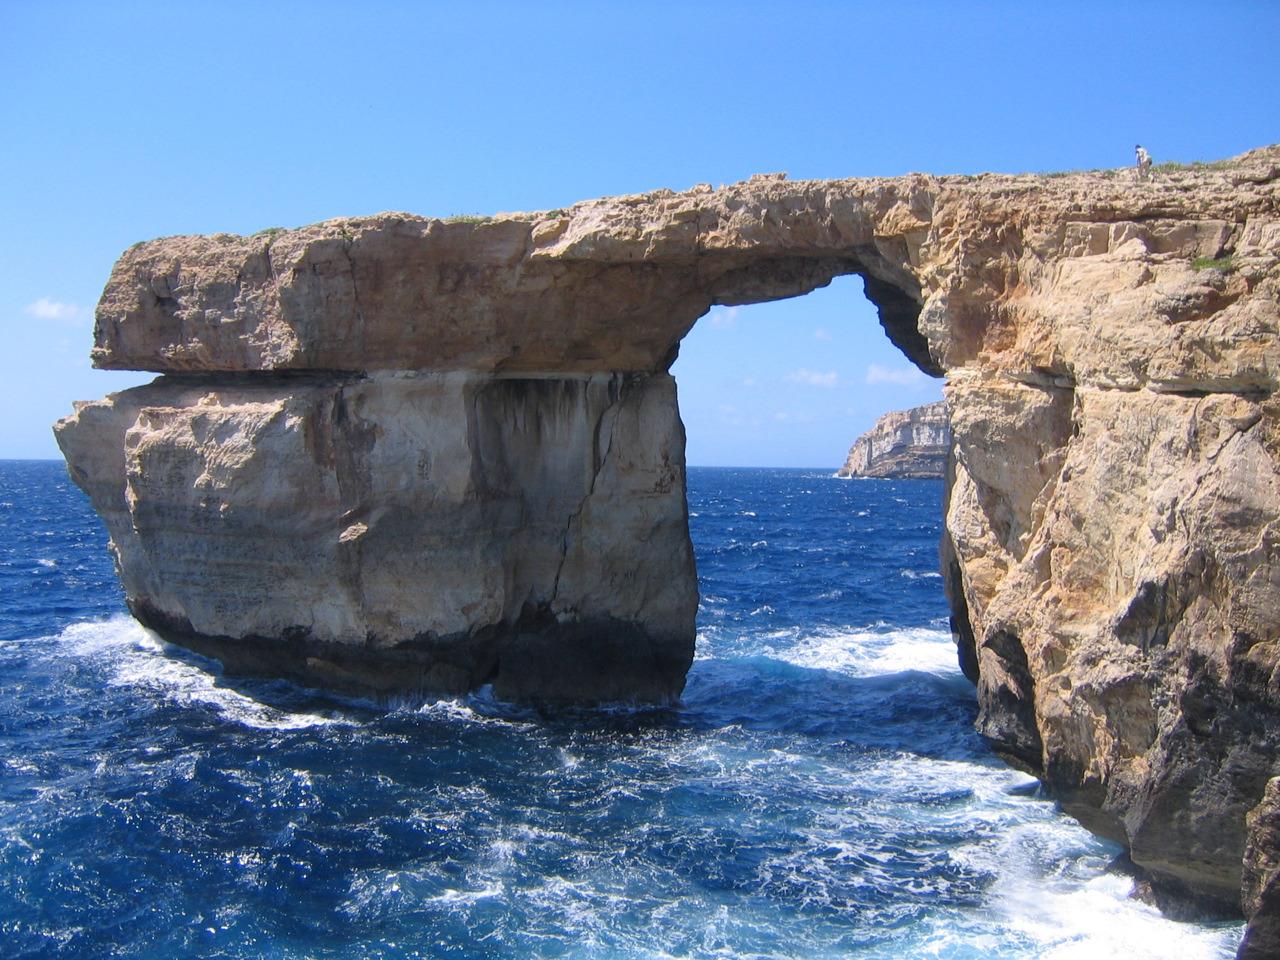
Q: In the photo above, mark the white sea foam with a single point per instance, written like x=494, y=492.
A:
x=920, y=574
x=1099, y=921
x=1052, y=890
x=1049, y=893
x=468, y=896
x=134, y=656
x=481, y=707
x=704, y=647
x=867, y=653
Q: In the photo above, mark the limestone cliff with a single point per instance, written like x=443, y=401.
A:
x=911, y=443
x=394, y=532
x=406, y=453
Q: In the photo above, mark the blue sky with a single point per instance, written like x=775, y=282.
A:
x=124, y=121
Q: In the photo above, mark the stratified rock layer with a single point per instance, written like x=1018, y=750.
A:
x=907, y=444
x=396, y=533
x=513, y=508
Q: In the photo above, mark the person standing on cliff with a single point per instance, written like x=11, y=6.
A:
x=1144, y=162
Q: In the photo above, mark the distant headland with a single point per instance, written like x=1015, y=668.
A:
x=903, y=444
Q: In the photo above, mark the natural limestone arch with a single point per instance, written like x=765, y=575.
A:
x=427, y=454
x=477, y=405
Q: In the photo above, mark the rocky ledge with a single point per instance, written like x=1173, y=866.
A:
x=396, y=453
x=904, y=444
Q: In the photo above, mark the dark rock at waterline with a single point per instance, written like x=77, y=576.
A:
x=1260, y=895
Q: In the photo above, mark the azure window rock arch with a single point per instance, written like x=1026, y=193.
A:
x=424, y=455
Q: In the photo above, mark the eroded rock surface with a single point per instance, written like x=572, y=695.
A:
x=1113, y=522
x=396, y=533
x=911, y=443
x=1261, y=893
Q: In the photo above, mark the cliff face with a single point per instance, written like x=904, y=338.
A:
x=399, y=453
x=911, y=443
x=392, y=533
x=1261, y=893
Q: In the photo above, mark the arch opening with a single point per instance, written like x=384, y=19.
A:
x=793, y=380
x=790, y=383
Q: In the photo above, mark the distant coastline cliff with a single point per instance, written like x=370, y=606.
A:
x=905, y=443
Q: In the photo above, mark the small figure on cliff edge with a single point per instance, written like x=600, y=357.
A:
x=1144, y=162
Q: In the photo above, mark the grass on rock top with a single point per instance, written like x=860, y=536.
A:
x=1224, y=264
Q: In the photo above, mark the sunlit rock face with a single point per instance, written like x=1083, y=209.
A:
x=401, y=533
x=908, y=444
x=401, y=453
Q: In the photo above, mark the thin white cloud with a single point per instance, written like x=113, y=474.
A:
x=814, y=378
x=733, y=417
x=821, y=334
x=723, y=316
x=898, y=376
x=46, y=309
x=750, y=382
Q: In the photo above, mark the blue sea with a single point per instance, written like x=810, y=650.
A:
x=819, y=792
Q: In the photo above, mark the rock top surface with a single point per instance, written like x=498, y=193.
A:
x=614, y=284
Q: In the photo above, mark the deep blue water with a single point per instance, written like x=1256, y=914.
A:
x=819, y=792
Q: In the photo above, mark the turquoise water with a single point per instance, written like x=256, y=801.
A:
x=818, y=793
